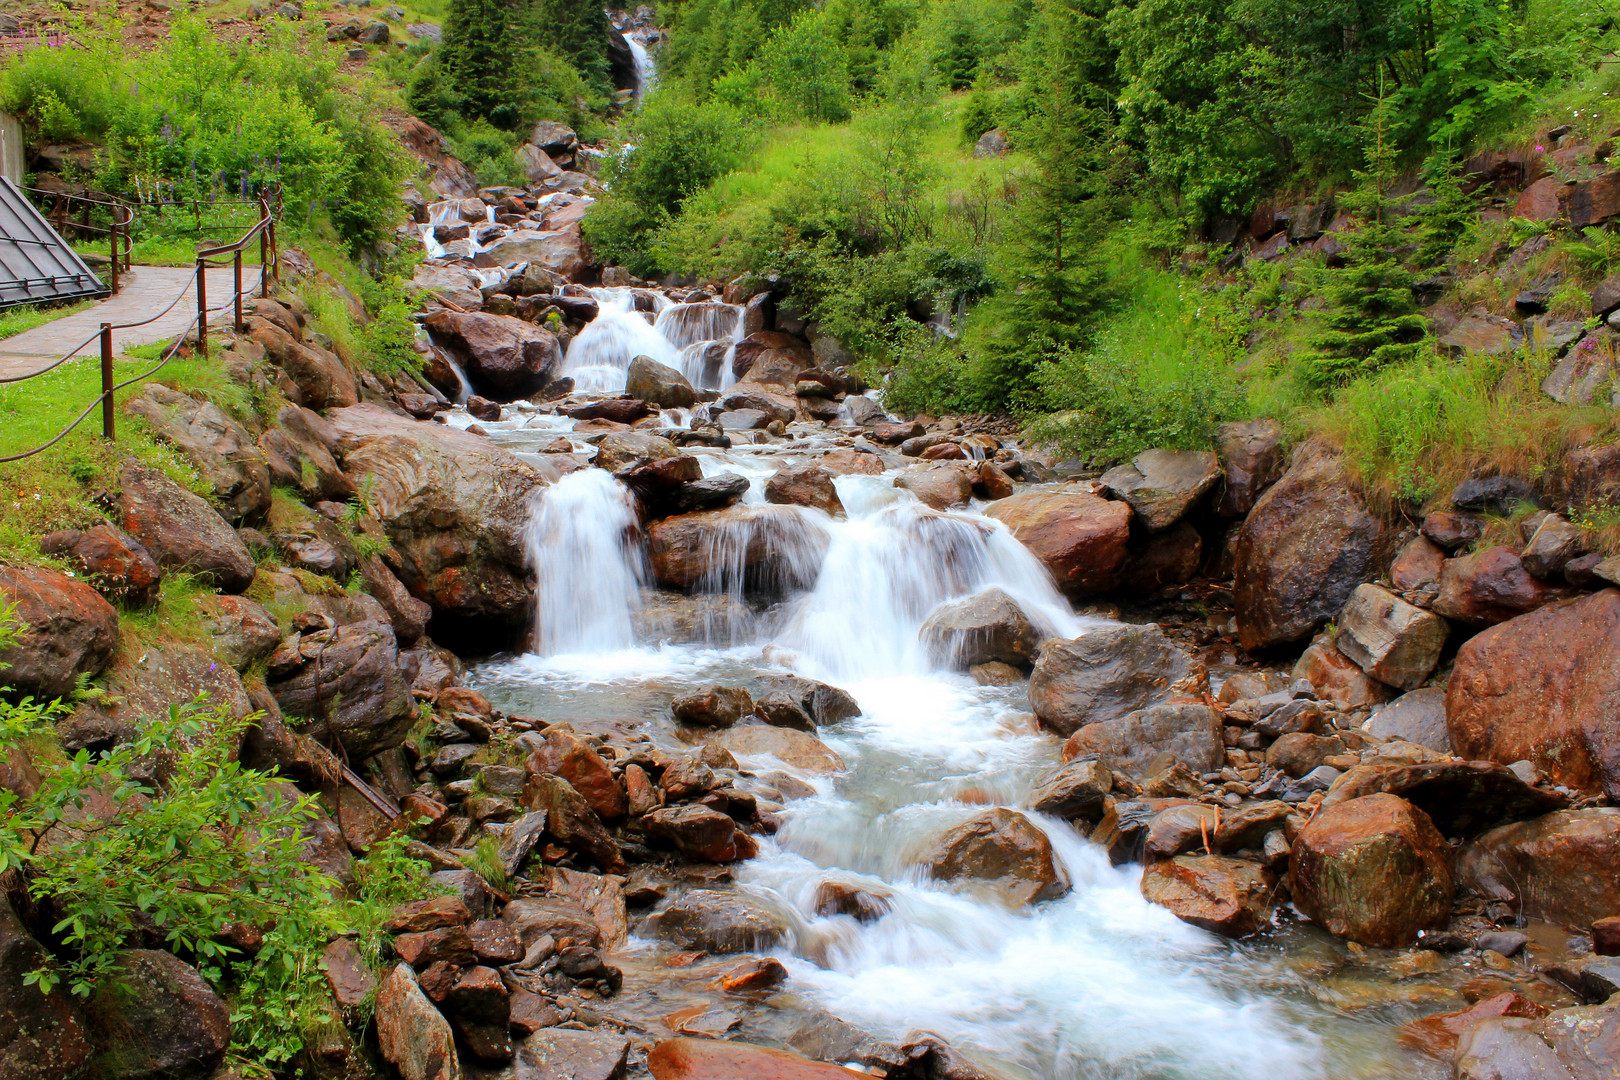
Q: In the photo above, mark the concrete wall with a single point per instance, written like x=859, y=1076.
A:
x=11, y=149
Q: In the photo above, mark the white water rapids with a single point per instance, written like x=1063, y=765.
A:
x=1096, y=984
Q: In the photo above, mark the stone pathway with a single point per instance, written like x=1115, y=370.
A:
x=145, y=291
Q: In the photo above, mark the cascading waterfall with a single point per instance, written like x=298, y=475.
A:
x=588, y=564
x=646, y=70
x=694, y=339
x=706, y=335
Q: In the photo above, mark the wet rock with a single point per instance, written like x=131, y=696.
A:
x=862, y=905
x=712, y=1059
x=1231, y=897
x=805, y=485
x=1452, y=529
x=65, y=630
x=1417, y=568
x=455, y=507
x=1373, y=869
x=1077, y=790
x=570, y=757
x=621, y=451
x=345, y=683
x=42, y=1035
x=1437, y=1035
x=988, y=626
x=110, y=560
x=1104, y=674
x=1559, y=867
x=712, y=706
x=562, y=919
x=619, y=410
x=696, y=832
x=1394, y=642
x=1164, y=560
x=1306, y=545
x=1498, y=495
x=570, y=819
x=1554, y=543
x=505, y=358
x=796, y=749
x=298, y=453
x=851, y=463
x=658, y=384
x=1337, y=678
x=1418, y=717
x=180, y=530
x=1144, y=741
x=1163, y=485
x=1081, y=538
x=1003, y=849
x=412, y=1035
x=445, y=945
x=1461, y=797
x=563, y=1054
x=995, y=673
x=223, y=453
x=753, y=975
x=1299, y=752
x=160, y=1022
x=1490, y=587
x=347, y=976
x=242, y=632
x=940, y=486
x=1537, y=689
x=823, y=703
x=767, y=549
x=1505, y=1048
x=424, y=915
x=1587, y=476
x=1251, y=460
x=717, y=922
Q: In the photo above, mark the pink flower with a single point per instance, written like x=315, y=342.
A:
x=1540, y=149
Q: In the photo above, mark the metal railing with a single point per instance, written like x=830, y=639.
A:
x=264, y=230
x=120, y=216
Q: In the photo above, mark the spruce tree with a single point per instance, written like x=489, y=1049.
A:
x=1372, y=319
x=478, y=58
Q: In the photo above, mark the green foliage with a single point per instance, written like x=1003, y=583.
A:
x=1594, y=256
x=1443, y=222
x=15, y=320
x=808, y=74
x=485, y=861
x=513, y=64
x=1160, y=374
x=489, y=153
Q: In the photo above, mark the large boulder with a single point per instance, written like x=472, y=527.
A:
x=1003, y=849
x=412, y=1035
x=561, y=250
x=142, y=683
x=804, y=485
x=1162, y=485
x=797, y=749
x=1545, y=687
x=299, y=453
x=65, y=630
x=1080, y=537
x=505, y=358
x=450, y=282
x=978, y=629
x=718, y=922
x=1077, y=790
x=714, y=1059
x=242, y=632
x=1374, y=870
x=1461, y=797
x=1393, y=641
x=658, y=384
x=345, y=683
x=42, y=1035
x=110, y=559
x=1251, y=461
x=1490, y=587
x=1103, y=674
x=158, y=1020
x=938, y=485
x=222, y=451
x=1587, y=476
x=180, y=530
x=765, y=549
x=1560, y=867
x=1231, y=897
x=456, y=507
x=1145, y=741
x=1306, y=545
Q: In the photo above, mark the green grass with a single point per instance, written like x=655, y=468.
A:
x=16, y=320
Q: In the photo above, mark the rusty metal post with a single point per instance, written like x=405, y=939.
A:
x=237, y=299
x=202, y=307
x=264, y=260
x=112, y=232
x=106, y=381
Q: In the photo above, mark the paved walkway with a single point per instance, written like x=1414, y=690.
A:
x=144, y=291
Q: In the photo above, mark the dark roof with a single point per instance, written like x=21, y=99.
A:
x=35, y=263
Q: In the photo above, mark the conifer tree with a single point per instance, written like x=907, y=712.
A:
x=1372, y=319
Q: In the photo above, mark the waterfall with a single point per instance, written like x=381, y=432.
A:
x=706, y=335
x=588, y=562
x=694, y=339
x=646, y=70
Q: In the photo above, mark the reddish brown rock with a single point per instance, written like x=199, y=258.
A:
x=347, y=976
x=110, y=559
x=1587, y=476
x=765, y=546
x=1451, y=529
x=1490, y=587
x=1418, y=567
x=1231, y=897
x=424, y=915
x=1595, y=201
x=697, y=832
x=42, y=1035
x=1374, y=870
x=449, y=945
x=570, y=757
x=1082, y=539
x=1462, y=798
x=1437, y=1035
x=862, y=905
x=1251, y=460
x=570, y=819
x=505, y=358
x=1539, y=201
x=804, y=485
x=1544, y=687
x=1560, y=867
x=893, y=433
x=940, y=486
x=1164, y=559
x=751, y=975
x=848, y=462
x=412, y=1034
x=1337, y=678
x=1003, y=849
x=180, y=530
x=1106, y=673
x=711, y=1059
x=65, y=629
x=1306, y=545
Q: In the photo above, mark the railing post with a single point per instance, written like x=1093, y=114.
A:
x=264, y=260
x=202, y=307
x=237, y=300
x=112, y=232
x=107, y=381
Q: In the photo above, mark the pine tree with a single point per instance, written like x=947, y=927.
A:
x=478, y=58
x=1372, y=319
x=1443, y=220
